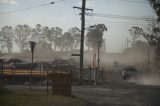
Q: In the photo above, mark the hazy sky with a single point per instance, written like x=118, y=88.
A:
x=63, y=15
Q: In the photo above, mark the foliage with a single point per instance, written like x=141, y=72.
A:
x=48, y=38
x=152, y=33
x=36, y=98
x=140, y=44
x=95, y=35
x=22, y=33
x=68, y=41
x=156, y=6
x=57, y=38
x=6, y=38
x=75, y=33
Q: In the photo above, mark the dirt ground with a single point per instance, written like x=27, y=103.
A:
x=119, y=94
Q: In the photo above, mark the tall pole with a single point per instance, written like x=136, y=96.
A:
x=98, y=61
x=32, y=46
x=82, y=38
x=148, y=58
x=83, y=8
x=31, y=72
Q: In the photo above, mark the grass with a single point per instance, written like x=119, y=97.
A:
x=35, y=98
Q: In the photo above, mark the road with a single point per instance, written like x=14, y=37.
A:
x=124, y=94
x=113, y=94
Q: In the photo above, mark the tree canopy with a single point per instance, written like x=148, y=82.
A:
x=95, y=35
x=51, y=38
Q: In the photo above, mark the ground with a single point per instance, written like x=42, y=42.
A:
x=21, y=96
x=110, y=94
x=120, y=94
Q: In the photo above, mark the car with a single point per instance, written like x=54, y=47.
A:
x=129, y=72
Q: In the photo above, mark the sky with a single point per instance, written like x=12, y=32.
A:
x=63, y=15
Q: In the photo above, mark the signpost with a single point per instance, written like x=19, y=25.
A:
x=32, y=46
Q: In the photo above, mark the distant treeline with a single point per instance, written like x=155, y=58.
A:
x=48, y=38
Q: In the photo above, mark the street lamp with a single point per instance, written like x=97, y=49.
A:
x=32, y=46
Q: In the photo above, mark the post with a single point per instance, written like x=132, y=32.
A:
x=148, y=58
x=82, y=39
x=102, y=74
x=32, y=46
x=82, y=35
x=2, y=68
x=98, y=61
x=90, y=74
x=47, y=79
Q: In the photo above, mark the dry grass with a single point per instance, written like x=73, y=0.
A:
x=36, y=98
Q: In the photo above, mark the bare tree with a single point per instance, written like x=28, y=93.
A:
x=76, y=34
x=57, y=37
x=135, y=32
x=6, y=38
x=68, y=40
x=22, y=33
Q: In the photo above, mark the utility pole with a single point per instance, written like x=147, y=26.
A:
x=32, y=46
x=82, y=36
x=98, y=61
x=148, y=58
x=127, y=42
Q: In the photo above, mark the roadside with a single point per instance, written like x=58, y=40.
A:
x=35, y=97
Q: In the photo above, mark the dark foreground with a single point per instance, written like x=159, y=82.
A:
x=113, y=94
x=121, y=94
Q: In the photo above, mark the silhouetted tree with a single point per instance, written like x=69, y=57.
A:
x=95, y=35
x=152, y=33
x=140, y=44
x=51, y=36
x=156, y=6
x=6, y=38
x=22, y=33
x=57, y=34
x=68, y=41
x=135, y=32
x=76, y=34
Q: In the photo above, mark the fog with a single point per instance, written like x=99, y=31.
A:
x=147, y=79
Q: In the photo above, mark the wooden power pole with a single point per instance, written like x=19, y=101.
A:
x=82, y=36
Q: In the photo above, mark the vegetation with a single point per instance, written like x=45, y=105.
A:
x=95, y=36
x=49, y=38
x=156, y=6
x=35, y=98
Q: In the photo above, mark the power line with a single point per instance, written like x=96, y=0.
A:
x=119, y=22
x=41, y=5
x=120, y=16
x=133, y=1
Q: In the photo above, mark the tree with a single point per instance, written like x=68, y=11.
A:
x=22, y=33
x=152, y=33
x=51, y=36
x=95, y=35
x=36, y=33
x=57, y=34
x=135, y=32
x=6, y=38
x=68, y=41
x=140, y=44
x=156, y=6
x=76, y=34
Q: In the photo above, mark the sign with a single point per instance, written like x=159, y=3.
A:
x=32, y=45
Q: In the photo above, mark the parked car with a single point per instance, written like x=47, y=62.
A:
x=129, y=72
